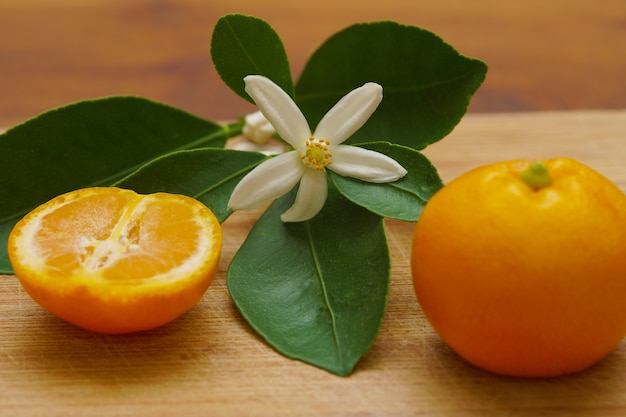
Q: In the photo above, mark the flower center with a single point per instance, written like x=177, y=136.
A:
x=316, y=155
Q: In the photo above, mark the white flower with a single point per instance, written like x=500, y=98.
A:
x=257, y=128
x=313, y=153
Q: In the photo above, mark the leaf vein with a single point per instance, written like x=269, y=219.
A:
x=228, y=178
x=318, y=271
x=243, y=49
x=314, y=96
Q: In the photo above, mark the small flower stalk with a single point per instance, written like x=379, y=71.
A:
x=312, y=153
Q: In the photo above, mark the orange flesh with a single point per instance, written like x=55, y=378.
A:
x=121, y=237
x=114, y=261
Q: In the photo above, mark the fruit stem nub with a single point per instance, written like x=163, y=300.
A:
x=536, y=176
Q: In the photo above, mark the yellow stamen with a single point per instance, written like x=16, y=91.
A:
x=316, y=154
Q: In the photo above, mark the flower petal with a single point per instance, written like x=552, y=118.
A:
x=349, y=114
x=365, y=164
x=279, y=109
x=310, y=198
x=268, y=181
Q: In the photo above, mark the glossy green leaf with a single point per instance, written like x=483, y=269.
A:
x=403, y=199
x=89, y=143
x=243, y=45
x=427, y=84
x=209, y=175
x=315, y=290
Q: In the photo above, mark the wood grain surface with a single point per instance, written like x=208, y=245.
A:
x=543, y=55
x=210, y=363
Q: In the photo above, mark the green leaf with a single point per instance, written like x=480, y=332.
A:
x=427, y=84
x=244, y=45
x=209, y=175
x=89, y=143
x=5, y=264
x=316, y=290
x=403, y=199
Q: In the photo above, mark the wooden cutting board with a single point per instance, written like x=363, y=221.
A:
x=210, y=363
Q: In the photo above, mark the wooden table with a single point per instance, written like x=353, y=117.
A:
x=209, y=362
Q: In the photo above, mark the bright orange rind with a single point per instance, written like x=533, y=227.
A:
x=523, y=272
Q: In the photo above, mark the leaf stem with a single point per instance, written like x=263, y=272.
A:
x=233, y=129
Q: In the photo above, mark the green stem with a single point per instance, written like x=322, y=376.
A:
x=233, y=129
x=537, y=176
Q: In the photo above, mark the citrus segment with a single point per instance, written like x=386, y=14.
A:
x=114, y=261
x=521, y=279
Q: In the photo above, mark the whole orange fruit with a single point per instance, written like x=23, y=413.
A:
x=521, y=266
x=114, y=261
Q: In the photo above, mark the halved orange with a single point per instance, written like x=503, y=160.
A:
x=114, y=261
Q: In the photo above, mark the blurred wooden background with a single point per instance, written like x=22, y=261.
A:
x=543, y=55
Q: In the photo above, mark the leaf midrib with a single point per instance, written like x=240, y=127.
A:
x=124, y=173
x=308, y=97
x=318, y=273
x=241, y=45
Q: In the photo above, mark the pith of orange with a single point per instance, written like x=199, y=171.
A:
x=522, y=271
x=114, y=261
